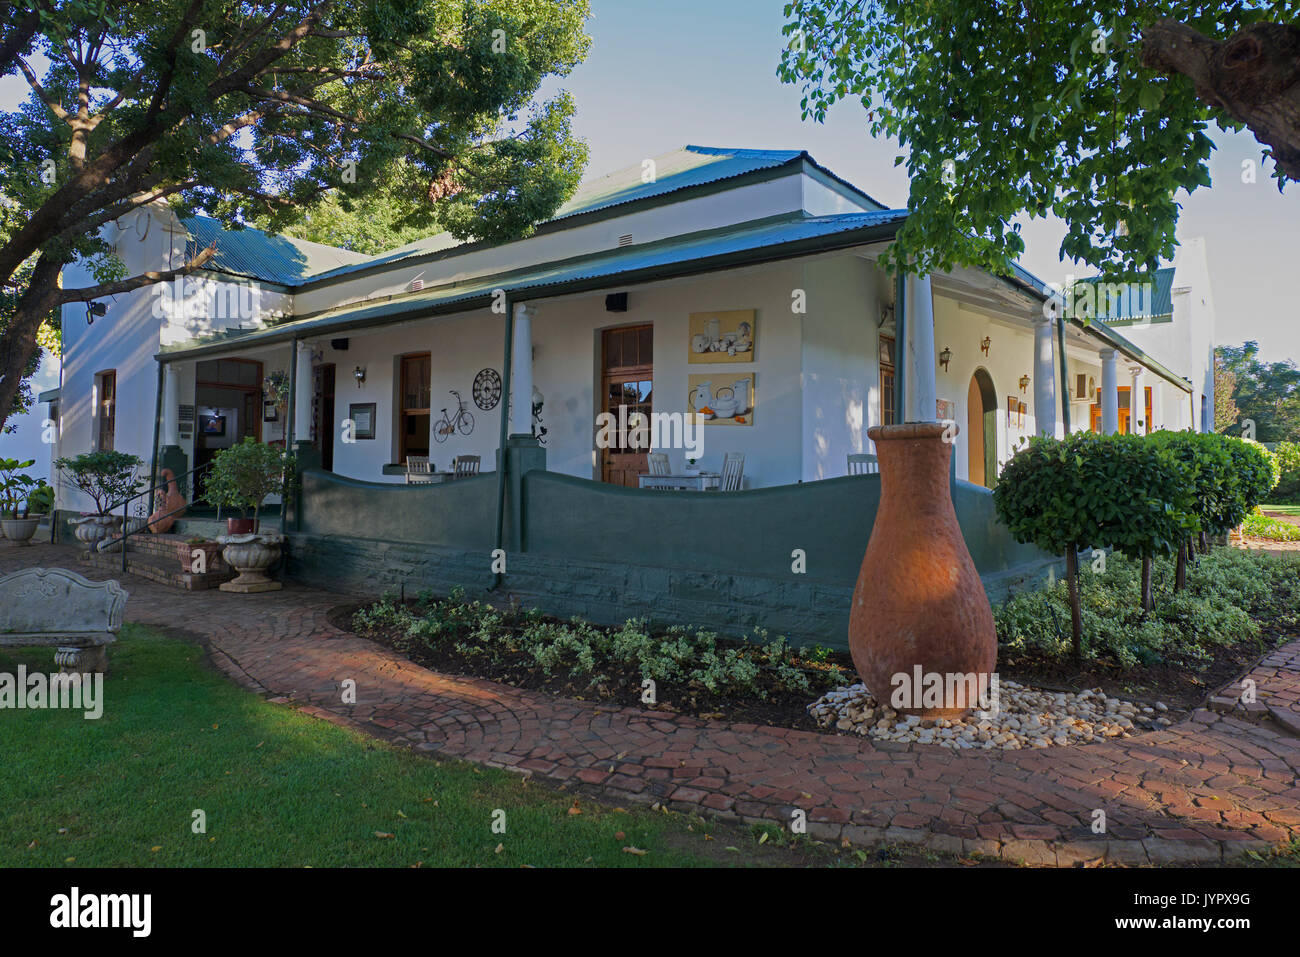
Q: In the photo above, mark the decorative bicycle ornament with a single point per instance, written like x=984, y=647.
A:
x=462, y=421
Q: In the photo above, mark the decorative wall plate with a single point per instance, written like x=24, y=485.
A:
x=487, y=389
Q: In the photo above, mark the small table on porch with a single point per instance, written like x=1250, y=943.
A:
x=701, y=482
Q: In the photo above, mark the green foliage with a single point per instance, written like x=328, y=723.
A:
x=1265, y=395
x=1256, y=472
x=1287, y=456
x=1215, y=486
x=14, y=484
x=1097, y=491
x=242, y=476
x=1227, y=592
x=679, y=658
x=107, y=477
x=1009, y=109
x=1259, y=525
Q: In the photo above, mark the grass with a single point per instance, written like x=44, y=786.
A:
x=279, y=788
x=1281, y=509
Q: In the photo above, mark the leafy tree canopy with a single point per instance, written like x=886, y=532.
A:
x=1266, y=394
x=254, y=111
x=1095, y=112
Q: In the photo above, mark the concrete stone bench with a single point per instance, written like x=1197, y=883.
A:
x=52, y=606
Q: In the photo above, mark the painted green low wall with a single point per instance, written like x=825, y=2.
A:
x=459, y=514
x=750, y=533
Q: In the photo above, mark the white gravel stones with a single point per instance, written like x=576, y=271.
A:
x=1025, y=719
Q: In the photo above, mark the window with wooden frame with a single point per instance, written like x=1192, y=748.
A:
x=887, y=411
x=413, y=408
x=106, y=409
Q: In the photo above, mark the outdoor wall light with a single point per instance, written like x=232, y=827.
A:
x=1024, y=383
x=945, y=357
x=985, y=343
x=94, y=310
x=360, y=375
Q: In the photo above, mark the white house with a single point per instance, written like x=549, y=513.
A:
x=741, y=285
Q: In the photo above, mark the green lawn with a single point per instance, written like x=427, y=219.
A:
x=1282, y=509
x=284, y=789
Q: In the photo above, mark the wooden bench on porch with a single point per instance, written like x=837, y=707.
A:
x=52, y=606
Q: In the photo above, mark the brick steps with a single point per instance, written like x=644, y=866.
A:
x=155, y=557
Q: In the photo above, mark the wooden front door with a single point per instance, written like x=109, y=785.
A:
x=324, y=410
x=1125, y=413
x=627, y=386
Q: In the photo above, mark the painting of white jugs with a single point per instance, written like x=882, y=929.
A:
x=723, y=398
x=722, y=336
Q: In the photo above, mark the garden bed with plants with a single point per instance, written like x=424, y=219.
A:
x=1235, y=606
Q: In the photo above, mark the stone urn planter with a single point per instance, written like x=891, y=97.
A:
x=251, y=555
x=920, y=614
x=20, y=530
x=93, y=529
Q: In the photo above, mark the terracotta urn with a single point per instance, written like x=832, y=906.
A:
x=920, y=615
x=251, y=555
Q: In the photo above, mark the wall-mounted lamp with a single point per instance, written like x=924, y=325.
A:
x=1024, y=383
x=95, y=310
x=360, y=375
x=945, y=357
x=985, y=343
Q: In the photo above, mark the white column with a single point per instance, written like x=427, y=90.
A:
x=171, y=405
x=1109, y=392
x=1045, y=377
x=521, y=377
x=1157, y=404
x=1137, y=402
x=302, y=395
x=918, y=380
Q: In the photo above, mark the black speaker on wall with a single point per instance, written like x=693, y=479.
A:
x=616, y=302
x=339, y=345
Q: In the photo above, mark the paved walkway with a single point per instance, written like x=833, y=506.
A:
x=1206, y=789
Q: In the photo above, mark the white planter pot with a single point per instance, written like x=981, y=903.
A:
x=251, y=555
x=19, y=531
x=93, y=529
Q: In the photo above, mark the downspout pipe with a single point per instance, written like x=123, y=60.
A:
x=1065, y=375
x=506, y=380
x=157, y=431
x=288, y=433
x=900, y=345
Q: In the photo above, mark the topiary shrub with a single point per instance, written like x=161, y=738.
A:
x=1287, y=456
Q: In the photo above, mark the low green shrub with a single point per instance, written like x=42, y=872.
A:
x=1287, y=491
x=1228, y=593
x=1259, y=525
x=679, y=658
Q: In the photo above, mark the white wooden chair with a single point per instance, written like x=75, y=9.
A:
x=466, y=466
x=419, y=470
x=862, y=463
x=658, y=462
x=733, y=472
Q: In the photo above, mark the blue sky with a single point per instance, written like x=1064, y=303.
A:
x=674, y=72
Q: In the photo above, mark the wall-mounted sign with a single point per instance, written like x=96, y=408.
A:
x=362, y=415
x=722, y=336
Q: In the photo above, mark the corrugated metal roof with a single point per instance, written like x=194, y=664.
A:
x=1145, y=302
x=254, y=254
x=609, y=266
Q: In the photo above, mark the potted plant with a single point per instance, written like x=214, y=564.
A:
x=106, y=478
x=242, y=477
x=15, y=489
x=275, y=387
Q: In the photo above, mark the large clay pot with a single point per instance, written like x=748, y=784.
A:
x=919, y=608
x=251, y=556
x=241, y=526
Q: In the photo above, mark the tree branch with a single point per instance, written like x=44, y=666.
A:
x=87, y=293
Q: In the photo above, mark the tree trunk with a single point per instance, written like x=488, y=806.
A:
x=1147, y=603
x=18, y=341
x=1076, y=612
x=1180, y=574
x=1254, y=78
x=1205, y=543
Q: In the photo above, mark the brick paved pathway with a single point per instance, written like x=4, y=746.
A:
x=1206, y=789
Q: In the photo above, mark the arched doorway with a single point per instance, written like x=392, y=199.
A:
x=981, y=430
